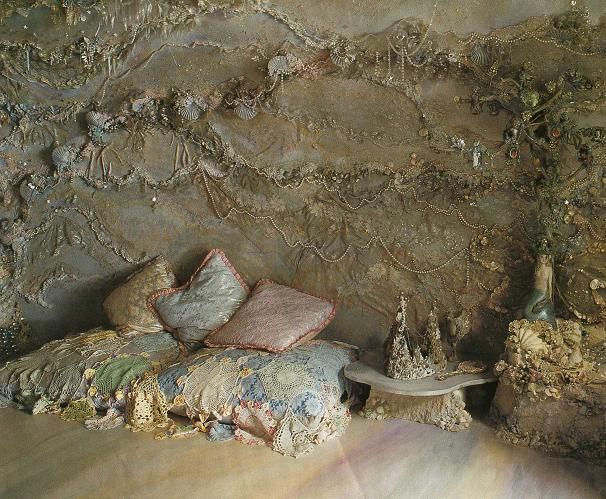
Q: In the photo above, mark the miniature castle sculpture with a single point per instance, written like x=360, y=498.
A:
x=406, y=358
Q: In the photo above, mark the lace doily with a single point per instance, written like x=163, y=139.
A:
x=146, y=407
x=286, y=380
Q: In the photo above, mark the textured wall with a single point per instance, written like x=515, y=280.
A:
x=317, y=143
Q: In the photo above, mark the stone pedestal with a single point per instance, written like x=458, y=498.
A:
x=548, y=396
x=445, y=411
x=427, y=400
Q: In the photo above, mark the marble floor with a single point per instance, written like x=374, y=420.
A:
x=42, y=456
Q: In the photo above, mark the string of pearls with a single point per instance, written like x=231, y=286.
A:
x=308, y=245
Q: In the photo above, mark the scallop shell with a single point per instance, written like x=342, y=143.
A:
x=96, y=119
x=479, y=55
x=528, y=341
x=341, y=56
x=245, y=112
x=278, y=65
x=64, y=156
x=187, y=108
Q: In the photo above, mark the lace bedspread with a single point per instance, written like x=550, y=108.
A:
x=79, y=375
x=289, y=401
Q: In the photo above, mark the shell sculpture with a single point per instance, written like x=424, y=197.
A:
x=188, y=108
x=525, y=342
x=480, y=55
x=64, y=156
x=245, y=111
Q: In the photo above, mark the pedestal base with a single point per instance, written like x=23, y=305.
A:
x=570, y=422
x=445, y=411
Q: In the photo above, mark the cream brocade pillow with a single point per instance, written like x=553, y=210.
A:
x=126, y=306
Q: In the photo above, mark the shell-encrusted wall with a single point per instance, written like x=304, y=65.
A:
x=354, y=150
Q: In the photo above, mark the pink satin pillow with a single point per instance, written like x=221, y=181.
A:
x=274, y=318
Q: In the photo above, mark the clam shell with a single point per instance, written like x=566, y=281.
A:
x=479, y=55
x=245, y=111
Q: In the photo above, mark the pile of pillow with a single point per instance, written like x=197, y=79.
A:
x=78, y=375
x=216, y=308
x=251, y=366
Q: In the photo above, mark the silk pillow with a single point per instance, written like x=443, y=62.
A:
x=126, y=306
x=207, y=301
x=275, y=318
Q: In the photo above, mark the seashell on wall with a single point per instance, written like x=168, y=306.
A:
x=187, y=108
x=278, y=65
x=283, y=65
x=342, y=55
x=64, y=156
x=245, y=112
x=480, y=55
x=97, y=120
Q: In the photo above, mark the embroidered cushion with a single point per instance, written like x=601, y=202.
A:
x=126, y=306
x=207, y=301
x=275, y=318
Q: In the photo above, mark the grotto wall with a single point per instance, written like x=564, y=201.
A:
x=351, y=149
